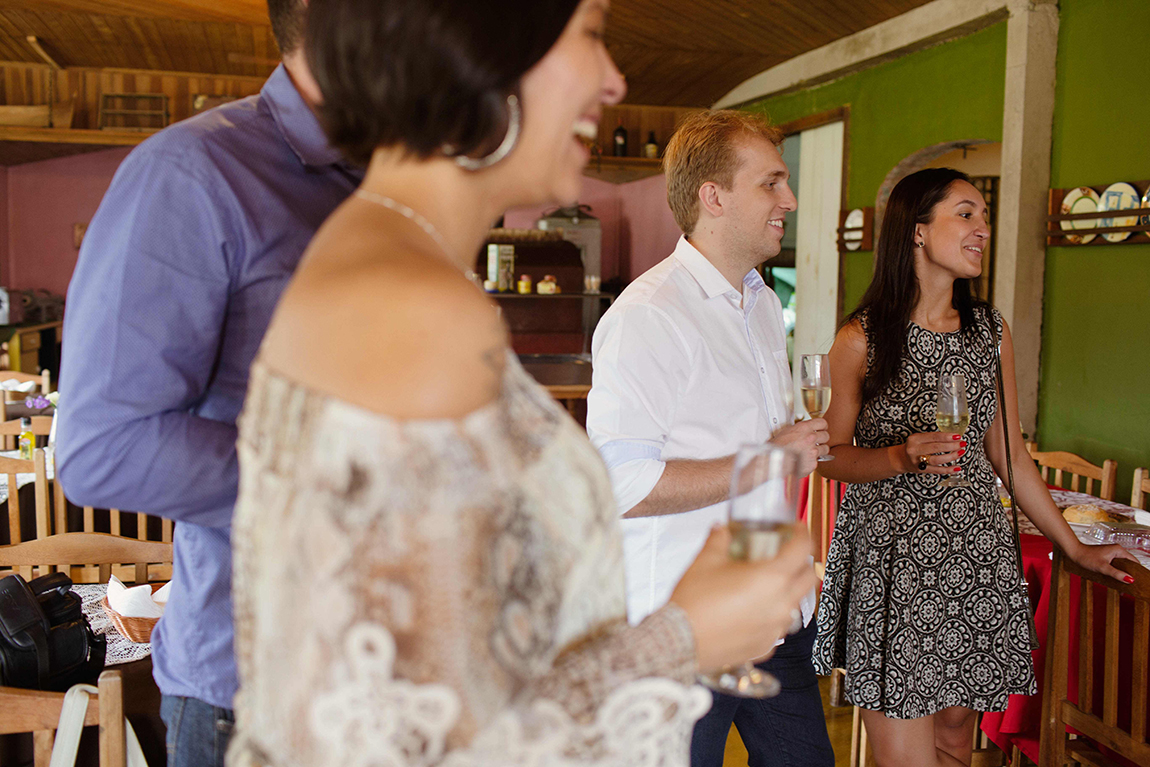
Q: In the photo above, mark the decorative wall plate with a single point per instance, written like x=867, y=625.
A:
x=1120, y=196
x=853, y=239
x=1080, y=200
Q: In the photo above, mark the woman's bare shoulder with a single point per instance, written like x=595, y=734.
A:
x=410, y=338
x=851, y=338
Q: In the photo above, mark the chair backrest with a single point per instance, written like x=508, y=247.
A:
x=1077, y=467
x=44, y=378
x=66, y=552
x=823, y=497
x=10, y=468
x=38, y=712
x=50, y=523
x=10, y=431
x=1140, y=493
x=1069, y=645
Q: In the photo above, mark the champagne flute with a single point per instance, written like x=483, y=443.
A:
x=815, y=383
x=763, y=510
x=952, y=415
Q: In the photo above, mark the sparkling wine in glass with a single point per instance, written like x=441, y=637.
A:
x=952, y=415
x=815, y=384
x=762, y=517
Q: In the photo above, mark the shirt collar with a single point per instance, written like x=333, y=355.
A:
x=710, y=279
x=296, y=122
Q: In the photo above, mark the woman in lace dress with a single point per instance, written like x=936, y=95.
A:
x=428, y=567
x=922, y=603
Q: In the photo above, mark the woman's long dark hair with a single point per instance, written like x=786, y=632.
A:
x=894, y=291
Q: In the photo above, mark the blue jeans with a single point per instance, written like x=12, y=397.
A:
x=788, y=730
x=198, y=732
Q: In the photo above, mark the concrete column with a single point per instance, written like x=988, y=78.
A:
x=817, y=252
x=1020, y=255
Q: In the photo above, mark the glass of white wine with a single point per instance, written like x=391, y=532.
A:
x=952, y=415
x=763, y=512
x=815, y=384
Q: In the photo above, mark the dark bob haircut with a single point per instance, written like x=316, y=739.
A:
x=425, y=74
x=894, y=291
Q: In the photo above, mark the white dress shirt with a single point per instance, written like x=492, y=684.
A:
x=684, y=366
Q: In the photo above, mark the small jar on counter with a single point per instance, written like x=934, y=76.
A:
x=548, y=285
x=524, y=284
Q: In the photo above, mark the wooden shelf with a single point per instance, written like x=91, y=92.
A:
x=620, y=170
x=19, y=144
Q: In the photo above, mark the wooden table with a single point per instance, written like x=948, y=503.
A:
x=567, y=377
x=1020, y=725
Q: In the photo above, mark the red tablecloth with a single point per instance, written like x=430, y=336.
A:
x=1020, y=725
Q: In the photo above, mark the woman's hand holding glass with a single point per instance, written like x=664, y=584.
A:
x=929, y=452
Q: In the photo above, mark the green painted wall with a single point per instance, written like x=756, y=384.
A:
x=1095, y=387
x=951, y=92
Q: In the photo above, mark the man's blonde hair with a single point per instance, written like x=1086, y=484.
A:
x=703, y=149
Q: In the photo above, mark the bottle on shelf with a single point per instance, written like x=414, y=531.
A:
x=619, y=142
x=27, y=439
x=651, y=148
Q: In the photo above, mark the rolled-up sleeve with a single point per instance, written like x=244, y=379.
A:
x=640, y=364
x=146, y=311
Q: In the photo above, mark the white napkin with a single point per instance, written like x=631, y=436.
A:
x=135, y=602
x=22, y=386
x=1142, y=517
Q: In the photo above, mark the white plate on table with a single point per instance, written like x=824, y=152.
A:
x=1080, y=200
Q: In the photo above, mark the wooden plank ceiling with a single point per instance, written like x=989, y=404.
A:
x=673, y=52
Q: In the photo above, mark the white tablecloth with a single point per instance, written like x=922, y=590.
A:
x=120, y=648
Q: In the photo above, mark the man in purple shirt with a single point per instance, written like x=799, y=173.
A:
x=177, y=279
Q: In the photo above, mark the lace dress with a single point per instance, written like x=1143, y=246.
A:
x=921, y=604
x=441, y=592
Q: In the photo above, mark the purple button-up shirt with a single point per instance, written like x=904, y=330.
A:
x=180, y=270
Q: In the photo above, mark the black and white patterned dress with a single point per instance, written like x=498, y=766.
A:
x=921, y=603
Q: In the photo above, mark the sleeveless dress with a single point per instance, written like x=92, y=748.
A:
x=922, y=604
x=441, y=592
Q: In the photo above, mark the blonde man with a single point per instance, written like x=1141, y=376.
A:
x=689, y=364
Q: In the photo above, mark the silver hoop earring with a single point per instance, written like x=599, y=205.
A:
x=505, y=146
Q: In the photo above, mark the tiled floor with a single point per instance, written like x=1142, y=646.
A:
x=838, y=727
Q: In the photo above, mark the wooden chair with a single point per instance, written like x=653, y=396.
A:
x=10, y=430
x=1058, y=711
x=823, y=496
x=44, y=378
x=1140, y=493
x=1077, y=467
x=11, y=467
x=51, y=516
x=38, y=712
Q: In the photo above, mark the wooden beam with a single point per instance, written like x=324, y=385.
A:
x=927, y=25
x=35, y=43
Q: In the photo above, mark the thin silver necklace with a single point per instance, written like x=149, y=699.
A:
x=417, y=219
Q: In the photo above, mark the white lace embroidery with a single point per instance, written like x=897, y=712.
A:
x=369, y=717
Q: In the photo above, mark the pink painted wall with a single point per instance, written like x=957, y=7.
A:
x=647, y=232
x=638, y=230
x=44, y=200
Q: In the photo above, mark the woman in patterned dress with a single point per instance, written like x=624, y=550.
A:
x=428, y=563
x=922, y=603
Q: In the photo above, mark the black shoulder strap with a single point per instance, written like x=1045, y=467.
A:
x=1010, y=481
